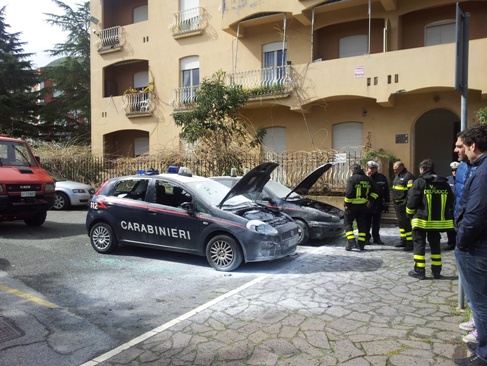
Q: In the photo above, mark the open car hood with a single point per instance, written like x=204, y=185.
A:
x=253, y=181
x=305, y=185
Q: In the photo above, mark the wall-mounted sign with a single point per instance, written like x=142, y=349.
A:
x=402, y=138
x=359, y=71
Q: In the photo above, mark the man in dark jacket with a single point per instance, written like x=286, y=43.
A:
x=430, y=205
x=360, y=193
x=471, y=250
x=400, y=186
x=374, y=213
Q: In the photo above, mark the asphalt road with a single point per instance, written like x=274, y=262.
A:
x=95, y=302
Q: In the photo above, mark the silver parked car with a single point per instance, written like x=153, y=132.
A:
x=69, y=193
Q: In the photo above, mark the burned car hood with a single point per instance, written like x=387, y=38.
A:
x=305, y=185
x=253, y=181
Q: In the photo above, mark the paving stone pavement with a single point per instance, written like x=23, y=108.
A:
x=328, y=307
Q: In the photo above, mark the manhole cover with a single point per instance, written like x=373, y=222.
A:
x=8, y=331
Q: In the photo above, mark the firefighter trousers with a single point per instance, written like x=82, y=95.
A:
x=404, y=223
x=419, y=239
x=358, y=213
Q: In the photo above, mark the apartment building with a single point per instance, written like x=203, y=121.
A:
x=323, y=74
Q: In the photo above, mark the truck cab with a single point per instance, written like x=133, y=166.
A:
x=27, y=192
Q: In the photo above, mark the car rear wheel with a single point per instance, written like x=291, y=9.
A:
x=61, y=202
x=36, y=220
x=223, y=253
x=102, y=238
x=303, y=232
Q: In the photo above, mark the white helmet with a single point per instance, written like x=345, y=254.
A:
x=454, y=165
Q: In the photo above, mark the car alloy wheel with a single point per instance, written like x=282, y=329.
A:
x=102, y=238
x=223, y=253
x=61, y=201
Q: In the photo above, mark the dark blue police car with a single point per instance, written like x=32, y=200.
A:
x=191, y=214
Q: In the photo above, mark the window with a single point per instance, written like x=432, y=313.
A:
x=353, y=46
x=348, y=137
x=134, y=189
x=141, y=146
x=275, y=139
x=140, y=13
x=189, y=14
x=274, y=61
x=141, y=80
x=440, y=33
x=190, y=78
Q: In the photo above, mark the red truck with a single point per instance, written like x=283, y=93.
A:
x=27, y=192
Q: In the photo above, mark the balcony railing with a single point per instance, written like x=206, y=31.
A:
x=187, y=22
x=184, y=98
x=138, y=103
x=270, y=81
x=109, y=39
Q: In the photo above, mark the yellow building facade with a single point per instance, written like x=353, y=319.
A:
x=334, y=74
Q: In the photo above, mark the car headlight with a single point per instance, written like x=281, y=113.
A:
x=50, y=187
x=79, y=191
x=261, y=227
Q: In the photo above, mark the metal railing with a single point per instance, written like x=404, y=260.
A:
x=138, y=103
x=109, y=38
x=184, y=98
x=187, y=21
x=293, y=167
x=268, y=81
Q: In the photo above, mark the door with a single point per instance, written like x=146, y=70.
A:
x=171, y=226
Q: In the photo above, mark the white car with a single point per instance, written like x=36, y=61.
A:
x=69, y=193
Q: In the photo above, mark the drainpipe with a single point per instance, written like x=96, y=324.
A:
x=236, y=49
x=368, y=46
x=284, y=40
x=312, y=30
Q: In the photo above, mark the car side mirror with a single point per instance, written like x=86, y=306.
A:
x=267, y=198
x=188, y=206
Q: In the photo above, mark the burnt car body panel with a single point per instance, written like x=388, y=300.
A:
x=146, y=217
x=322, y=220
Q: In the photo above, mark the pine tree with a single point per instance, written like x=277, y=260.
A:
x=69, y=112
x=18, y=100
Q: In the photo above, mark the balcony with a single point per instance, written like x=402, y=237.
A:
x=187, y=23
x=184, y=98
x=268, y=82
x=138, y=103
x=110, y=40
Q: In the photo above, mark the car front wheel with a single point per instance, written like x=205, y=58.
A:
x=223, y=253
x=36, y=220
x=102, y=238
x=61, y=202
x=303, y=230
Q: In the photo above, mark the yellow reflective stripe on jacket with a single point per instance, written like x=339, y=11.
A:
x=402, y=188
x=356, y=201
x=374, y=195
x=418, y=223
x=410, y=211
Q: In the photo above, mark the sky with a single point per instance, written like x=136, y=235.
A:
x=27, y=16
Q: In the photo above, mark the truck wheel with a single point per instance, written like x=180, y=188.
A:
x=102, y=238
x=36, y=220
x=223, y=253
x=61, y=202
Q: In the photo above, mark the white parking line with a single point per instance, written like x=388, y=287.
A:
x=169, y=324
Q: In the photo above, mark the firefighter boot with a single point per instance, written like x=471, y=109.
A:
x=418, y=273
x=436, y=270
x=351, y=244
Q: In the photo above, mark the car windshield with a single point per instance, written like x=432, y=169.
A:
x=15, y=153
x=281, y=190
x=213, y=193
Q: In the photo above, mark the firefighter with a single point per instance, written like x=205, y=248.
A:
x=400, y=186
x=430, y=204
x=360, y=193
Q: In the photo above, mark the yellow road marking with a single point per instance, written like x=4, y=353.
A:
x=29, y=297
